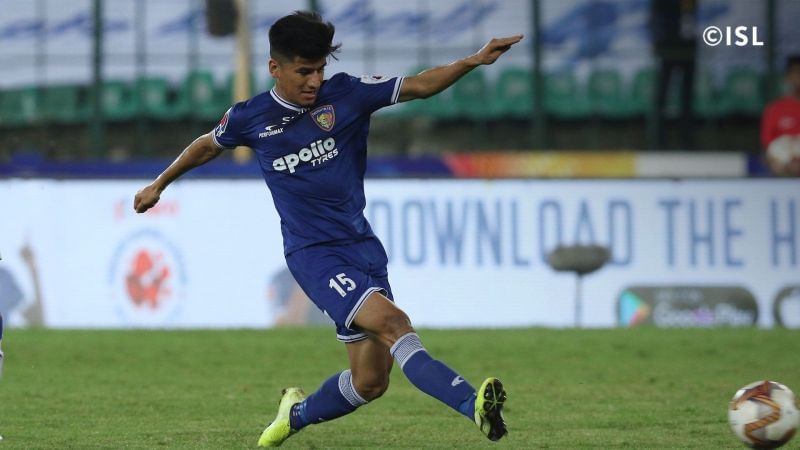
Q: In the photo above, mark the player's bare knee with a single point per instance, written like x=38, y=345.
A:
x=395, y=326
x=373, y=391
x=371, y=387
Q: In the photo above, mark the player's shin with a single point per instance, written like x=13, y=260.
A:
x=433, y=377
x=335, y=398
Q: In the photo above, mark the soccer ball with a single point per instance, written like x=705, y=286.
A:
x=783, y=149
x=764, y=414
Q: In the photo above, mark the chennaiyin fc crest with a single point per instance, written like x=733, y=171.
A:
x=324, y=117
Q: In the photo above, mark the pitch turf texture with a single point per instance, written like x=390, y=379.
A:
x=640, y=388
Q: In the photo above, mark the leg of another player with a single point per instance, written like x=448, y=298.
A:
x=387, y=323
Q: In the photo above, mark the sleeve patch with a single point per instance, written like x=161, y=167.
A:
x=223, y=124
x=219, y=131
x=374, y=79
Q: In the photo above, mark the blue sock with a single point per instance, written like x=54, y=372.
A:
x=432, y=376
x=335, y=398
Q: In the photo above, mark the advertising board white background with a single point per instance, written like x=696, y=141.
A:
x=220, y=241
x=462, y=253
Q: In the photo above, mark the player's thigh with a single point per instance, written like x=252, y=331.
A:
x=370, y=361
x=382, y=319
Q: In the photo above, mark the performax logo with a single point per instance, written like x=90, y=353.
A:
x=316, y=153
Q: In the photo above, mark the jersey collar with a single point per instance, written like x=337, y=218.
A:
x=284, y=103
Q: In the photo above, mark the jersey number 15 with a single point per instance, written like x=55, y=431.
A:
x=343, y=283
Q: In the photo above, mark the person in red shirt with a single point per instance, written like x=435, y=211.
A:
x=780, y=125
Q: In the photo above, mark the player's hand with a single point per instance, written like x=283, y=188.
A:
x=146, y=198
x=494, y=48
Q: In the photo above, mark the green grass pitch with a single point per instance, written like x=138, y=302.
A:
x=639, y=388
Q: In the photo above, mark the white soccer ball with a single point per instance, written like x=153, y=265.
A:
x=764, y=414
x=784, y=149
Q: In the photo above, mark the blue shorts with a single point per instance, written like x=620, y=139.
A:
x=339, y=278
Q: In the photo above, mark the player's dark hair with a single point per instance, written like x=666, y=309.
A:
x=791, y=61
x=303, y=34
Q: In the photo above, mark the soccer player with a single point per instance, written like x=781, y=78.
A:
x=780, y=125
x=310, y=137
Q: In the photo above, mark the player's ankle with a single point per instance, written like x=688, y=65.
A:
x=297, y=420
x=467, y=407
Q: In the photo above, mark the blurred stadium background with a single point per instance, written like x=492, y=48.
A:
x=584, y=79
x=558, y=144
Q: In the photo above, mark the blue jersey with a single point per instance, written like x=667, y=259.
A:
x=313, y=159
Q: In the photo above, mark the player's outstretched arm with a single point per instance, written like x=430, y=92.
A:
x=433, y=81
x=199, y=152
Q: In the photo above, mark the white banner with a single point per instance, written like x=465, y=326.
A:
x=483, y=244
x=462, y=253
x=202, y=258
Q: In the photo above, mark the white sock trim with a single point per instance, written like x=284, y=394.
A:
x=406, y=347
x=348, y=390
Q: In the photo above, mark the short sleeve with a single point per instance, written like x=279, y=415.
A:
x=376, y=91
x=228, y=133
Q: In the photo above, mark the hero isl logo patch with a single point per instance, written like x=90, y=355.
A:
x=223, y=124
x=147, y=279
x=324, y=117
